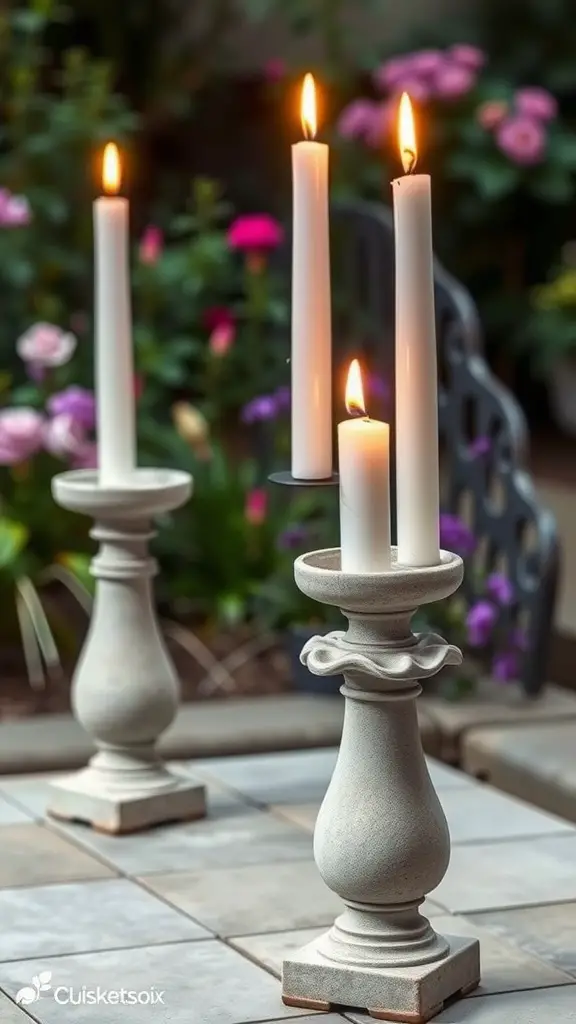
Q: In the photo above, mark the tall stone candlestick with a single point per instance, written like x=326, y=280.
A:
x=381, y=840
x=125, y=690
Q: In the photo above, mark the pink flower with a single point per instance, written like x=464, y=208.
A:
x=21, y=434
x=256, y=506
x=388, y=75
x=418, y=89
x=537, y=103
x=357, y=120
x=383, y=119
x=426, y=62
x=64, y=436
x=86, y=457
x=255, y=232
x=217, y=316
x=45, y=345
x=490, y=114
x=468, y=56
x=522, y=140
x=222, y=339
x=274, y=69
x=151, y=245
x=453, y=81
x=14, y=210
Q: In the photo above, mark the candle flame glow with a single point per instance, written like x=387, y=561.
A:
x=308, y=107
x=354, y=391
x=111, y=169
x=407, y=134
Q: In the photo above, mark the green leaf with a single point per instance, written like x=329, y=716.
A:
x=553, y=185
x=13, y=539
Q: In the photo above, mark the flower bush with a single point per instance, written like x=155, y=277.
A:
x=502, y=162
x=551, y=334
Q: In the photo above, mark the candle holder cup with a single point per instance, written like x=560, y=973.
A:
x=381, y=840
x=125, y=689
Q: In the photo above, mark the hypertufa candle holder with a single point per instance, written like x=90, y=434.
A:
x=381, y=840
x=125, y=690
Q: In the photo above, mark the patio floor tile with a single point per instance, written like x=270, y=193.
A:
x=12, y=814
x=202, y=982
x=34, y=855
x=534, y=1006
x=10, y=1013
x=47, y=921
x=548, y=932
x=491, y=815
x=495, y=876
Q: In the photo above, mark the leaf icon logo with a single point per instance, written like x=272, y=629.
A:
x=27, y=995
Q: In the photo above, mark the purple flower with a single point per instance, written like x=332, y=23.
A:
x=383, y=118
x=480, y=622
x=479, y=447
x=21, y=434
x=64, y=437
x=264, y=407
x=76, y=402
x=518, y=639
x=500, y=589
x=418, y=89
x=425, y=62
x=357, y=120
x=505, y=666
x=453, y=81
x=378, y=387
x=455, y=535
x=388, y=75
x=522, y=140
x=292, y=537
x=283, y=398
x=468, y=56
x=536, y=103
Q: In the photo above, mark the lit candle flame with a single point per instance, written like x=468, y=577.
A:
x=111, y=170
x=308, y=107
x=355, y=391
x=407, y=135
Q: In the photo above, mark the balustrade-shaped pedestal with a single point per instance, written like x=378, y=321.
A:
x=381, y=840
x=125, y=691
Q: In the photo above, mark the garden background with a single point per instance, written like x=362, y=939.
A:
x=203, y=100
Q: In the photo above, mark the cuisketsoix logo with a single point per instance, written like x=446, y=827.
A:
x=85, y=996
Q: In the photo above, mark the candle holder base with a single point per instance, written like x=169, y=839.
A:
x=125, y=691
x=285, y=478
x=410, y=994
x=118, y=795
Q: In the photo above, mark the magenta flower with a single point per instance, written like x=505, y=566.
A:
x=425, y=62
x=217, y=316
x=500, y=589
x=383, y=119
x=45, y=345
x=293, y=537
x=392, y=72
x=14, y=210
x=522, y=140
x=86, y=456
x=455, y=535
x=468, y=56
x=64, y=437
x=418, y=89
x=262, y=408
x=255, y=232
x=76, y=402
x=357, y=120
x=21, y=434
x=274, y=69
x=505, y=666
x=536, y=103
x=453, y=81
x=256, y=506
x=480, y=621
x=222, y=339
x=479, y=447
x=151, y=245
x=490, y=114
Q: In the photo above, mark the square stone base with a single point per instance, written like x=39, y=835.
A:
x=410, y=994
x=75, y=799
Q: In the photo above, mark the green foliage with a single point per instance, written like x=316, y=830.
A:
x=551, y=333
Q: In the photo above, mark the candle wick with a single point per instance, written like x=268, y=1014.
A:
x=409, y=160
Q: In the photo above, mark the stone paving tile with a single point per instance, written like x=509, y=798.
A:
x=229, y=837
x=10, y=1013
x=12, y=814
x=492, y=815
x=34, y=855
x=495, y=876
x=202, y=982
x=253, y=898
x=272, y=948
x=46, y=921
x=504, y=966
x=535, y=1006
x=548, y=932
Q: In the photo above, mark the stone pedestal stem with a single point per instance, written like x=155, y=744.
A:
x=125, y=690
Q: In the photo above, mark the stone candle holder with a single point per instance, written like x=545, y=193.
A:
x=381, y=840
x=125, y=690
